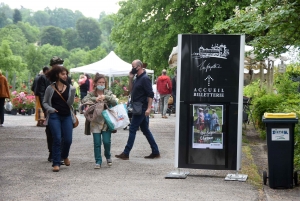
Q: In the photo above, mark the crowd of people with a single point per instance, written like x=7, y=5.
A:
x=55, y=92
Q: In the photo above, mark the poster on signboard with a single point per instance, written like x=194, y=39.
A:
x=207, y=128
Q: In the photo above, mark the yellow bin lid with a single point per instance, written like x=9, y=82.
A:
x=291, y=115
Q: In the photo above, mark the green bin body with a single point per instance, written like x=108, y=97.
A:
x=280, y=143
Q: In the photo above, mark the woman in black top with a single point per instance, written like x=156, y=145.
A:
x=58, y=100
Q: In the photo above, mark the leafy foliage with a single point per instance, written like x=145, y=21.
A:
x=89, y=32
x=148, y=29
x=52, y=35
x=271, y=26
x=17, y=16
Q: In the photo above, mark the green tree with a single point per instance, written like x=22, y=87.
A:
x=89, y=32
x=52, y=35
x=94, y=55
x=271, y=26
x=42, y=18
x=34, y=58
x=48, y=51
x=148, y=29
x=77, y=57
x=17, y=16
x=3, y=20
x=16, y=38
x=9, y=62
x=70, y=39
x=6, y=10
x=64, y=18
x=30, y=32
x=106, y=24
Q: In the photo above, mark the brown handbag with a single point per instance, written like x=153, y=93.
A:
x=76, y=122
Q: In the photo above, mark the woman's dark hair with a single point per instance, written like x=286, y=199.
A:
x=52, y=74
x=98, y=77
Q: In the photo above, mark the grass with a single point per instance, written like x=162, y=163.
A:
x=249, y=168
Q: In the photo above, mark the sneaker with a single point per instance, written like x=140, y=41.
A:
x=122, y=156
x=109, y=162
x=97, y=166
x=1, y=125
x=152, y=156
x=55, y=169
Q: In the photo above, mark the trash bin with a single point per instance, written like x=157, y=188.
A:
x=280, y=143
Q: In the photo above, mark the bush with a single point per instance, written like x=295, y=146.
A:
x=266, y=103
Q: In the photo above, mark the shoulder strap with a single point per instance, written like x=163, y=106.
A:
x=58, y=93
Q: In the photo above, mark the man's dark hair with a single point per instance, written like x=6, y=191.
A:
x=56, y=60
x=45, y=69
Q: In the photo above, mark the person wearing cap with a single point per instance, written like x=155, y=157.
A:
x=164, y=88
x=4, y=93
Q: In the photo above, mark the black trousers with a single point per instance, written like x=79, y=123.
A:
x=49, y=138
x=2, y=101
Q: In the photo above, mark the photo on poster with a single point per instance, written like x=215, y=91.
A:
x=207, y=127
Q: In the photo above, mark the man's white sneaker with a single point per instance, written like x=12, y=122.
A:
x=97, y=166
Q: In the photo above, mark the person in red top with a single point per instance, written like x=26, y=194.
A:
x=164, y=88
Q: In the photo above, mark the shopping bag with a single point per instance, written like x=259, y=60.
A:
x=116, y=117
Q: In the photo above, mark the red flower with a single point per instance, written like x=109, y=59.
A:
x=10, y=87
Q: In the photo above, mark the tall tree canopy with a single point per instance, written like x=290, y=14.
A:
x=17, y=16
x=89, y=32
x=52, y=35
x=148, y=29
x=271, y=26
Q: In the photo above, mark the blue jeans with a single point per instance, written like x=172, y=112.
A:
x=61, y=128
x=141, y=121
x=106, y=137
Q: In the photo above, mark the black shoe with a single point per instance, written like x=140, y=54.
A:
x=152, y=156
x=50, y=157
x=122, y=156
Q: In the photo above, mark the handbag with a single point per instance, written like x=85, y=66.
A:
x=116, y=117
x=76, y=119
x=136, y=108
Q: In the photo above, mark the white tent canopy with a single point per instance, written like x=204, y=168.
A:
x=111, y=66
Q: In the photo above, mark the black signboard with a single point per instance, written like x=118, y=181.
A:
x=210, y=77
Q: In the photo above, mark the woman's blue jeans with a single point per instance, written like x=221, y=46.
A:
x=61, y=128
x=141, y=121
x=106, y=137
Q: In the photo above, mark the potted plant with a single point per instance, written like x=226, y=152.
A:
x=30, y=104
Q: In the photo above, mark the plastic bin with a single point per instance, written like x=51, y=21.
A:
x=280, y=143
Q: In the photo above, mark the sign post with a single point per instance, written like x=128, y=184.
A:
x=210, y=76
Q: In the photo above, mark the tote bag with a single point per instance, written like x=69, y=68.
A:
x=116, y=117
